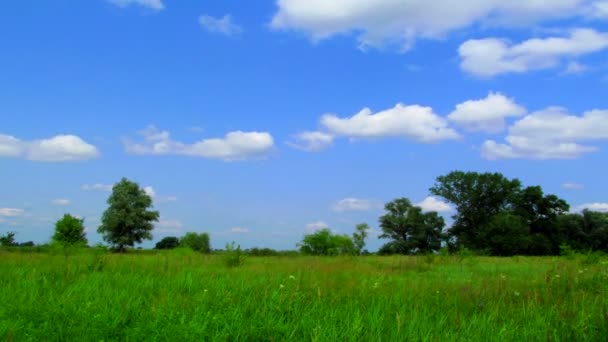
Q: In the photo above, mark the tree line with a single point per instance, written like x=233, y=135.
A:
x=494, y=215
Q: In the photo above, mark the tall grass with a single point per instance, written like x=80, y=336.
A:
x=181, y=295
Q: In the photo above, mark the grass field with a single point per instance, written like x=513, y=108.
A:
x=180, y=295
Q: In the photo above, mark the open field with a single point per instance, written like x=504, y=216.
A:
x=180, y=295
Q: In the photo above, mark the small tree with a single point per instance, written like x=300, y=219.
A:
x=69, y=230
x=127, y=220
x=170, y=242
x=412, y=230
x=359, y=236
x=8, y=239
x=324, y=242
x=197, y=242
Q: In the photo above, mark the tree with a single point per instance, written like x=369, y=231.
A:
x=585, y=231
x=359, y=236
x=69, y=230
x=197, y=242
x=478, y=197
x=8, y=239
x=127, y=220
x=169, y=242
x=412, y=230
x=507, y=234
x=324, y=242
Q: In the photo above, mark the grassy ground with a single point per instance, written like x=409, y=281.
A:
x=181, y=295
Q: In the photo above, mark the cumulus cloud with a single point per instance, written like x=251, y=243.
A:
x=432, y=203
x=413, y=122
x=314, y=226
x=11, y=212
x=601, y=207
x=236, y=145
x=493, y=56
x=97, y=186
x=156, y=5
x=223, y=25
x=486, y=115
x=311, y=141
x=61, y=201
x=150, y=191
x=400, y=22
x=355, y=204
x=573, y=186
x=60, y=148
x=575, y=68
x=551, y=133
x=239, y=230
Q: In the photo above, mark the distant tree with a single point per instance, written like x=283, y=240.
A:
x=8, y=239
x=197, y=242
x=69, y=230
x=169, y=242
x=127, y=220
x=411, y=230
x=478, y=197
x=359, y=236
x=324, y=242
x=585, y=231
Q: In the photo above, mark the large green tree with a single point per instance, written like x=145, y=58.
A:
x=197, y=242
x=324, y=242
x=478, y=197
x=410, y=229
x=128, y=219
x=69, y=230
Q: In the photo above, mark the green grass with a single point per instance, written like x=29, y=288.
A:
x=180, y=296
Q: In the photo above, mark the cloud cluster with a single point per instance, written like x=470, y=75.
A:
x=223, y=25
x=601, y=207
x=486, y=115
x=493, y=56
x=60, y=148
x=551, y=133
x=400, y=22
x=432, y=203
x=355, y=204
x=156, y=5
x=236, y=145
x=11, y=212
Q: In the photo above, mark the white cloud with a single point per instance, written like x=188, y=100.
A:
x=97, y=186
x=61, y=201
x=223, y=25
x=60, y=148
x=400, y=22
x=414, y=122
x=599, y=9
x=550, y=134
x=432, y=203
x=493, y=56
x=355, y=204
x=573, y=186
x=156, y=5
x=601, y=207
x=314, y=226
x=486, y=115
x=150, y=191
x=236, y=145
x=11, y=212
x=575, y=68
x=311, y=141
x=240, y=230
x=169, y=226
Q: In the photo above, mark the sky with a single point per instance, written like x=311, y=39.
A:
x=261, y=121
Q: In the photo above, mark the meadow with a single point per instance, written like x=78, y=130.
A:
x=181, y=295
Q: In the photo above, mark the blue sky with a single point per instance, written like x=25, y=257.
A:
x=261, y=121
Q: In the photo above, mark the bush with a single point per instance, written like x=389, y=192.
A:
x=197, y=242
x=170, y=242
x=233, y=257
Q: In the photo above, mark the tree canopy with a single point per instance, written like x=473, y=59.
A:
x=69, y=230
x=197, y=242
x=128, y=219
x=410, y=229
x=324, y=242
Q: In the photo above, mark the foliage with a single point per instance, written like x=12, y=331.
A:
x=359, y=237
x=169, y=242
x=69, y=230
x=8, y=239
x=127, y=220
x=324, y=242
x=411, y=230
x=233, y=257
x=585, y=231
x=197, y=242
